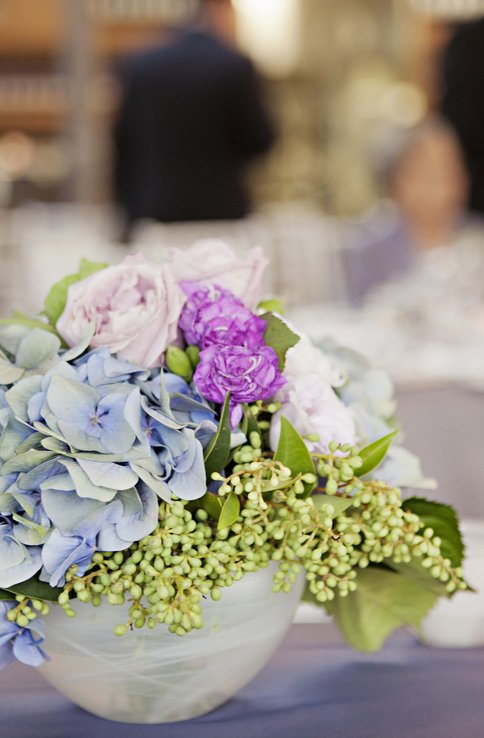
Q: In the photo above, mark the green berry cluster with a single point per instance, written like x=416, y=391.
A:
x=165, y=576
x=338, y=466
x=189, y=556
x=26, y=611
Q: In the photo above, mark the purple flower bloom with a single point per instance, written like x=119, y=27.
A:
x=242, y=328
x=248, y=374
x=213, y=315
x=17, y=642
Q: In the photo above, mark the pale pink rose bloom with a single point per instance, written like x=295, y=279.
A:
x=211, y=261
x=134, y=307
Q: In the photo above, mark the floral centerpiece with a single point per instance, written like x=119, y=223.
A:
x=164, y=434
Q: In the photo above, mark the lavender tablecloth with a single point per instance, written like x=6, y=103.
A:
x=315, y=687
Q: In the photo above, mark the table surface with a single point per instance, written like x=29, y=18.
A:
x=314, y=687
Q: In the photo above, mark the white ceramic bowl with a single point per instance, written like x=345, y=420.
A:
x=152, y=676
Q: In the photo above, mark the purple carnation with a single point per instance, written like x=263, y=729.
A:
x=242, y=328
x=213, y=315
x=248, y=374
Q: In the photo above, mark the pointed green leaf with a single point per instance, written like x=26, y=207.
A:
x=21, y=319
x=339, y=504
x=230, y=511
x=271, y=305
x=279, y=336
x=211, y=504
x=244, y=423
x=414, y=570
x=382, y=602
x=443, y=521
x=373, y=455
x=218, y=451
x=55, y=301
x=4, y=595
x=38, y=590
x=293, y=453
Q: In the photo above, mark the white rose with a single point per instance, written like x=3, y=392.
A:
x=309, y=401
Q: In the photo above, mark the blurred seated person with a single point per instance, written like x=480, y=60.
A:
x=423, y=176
x=191, y=118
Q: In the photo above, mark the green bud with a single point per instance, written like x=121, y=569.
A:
x=63, y=598
x=178, y=362
x=193, y=353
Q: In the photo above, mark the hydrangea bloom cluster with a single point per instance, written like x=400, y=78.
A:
x=160, y=438
x=87, y=450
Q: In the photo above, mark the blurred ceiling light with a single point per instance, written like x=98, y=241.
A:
x=270, y=31
x=449, y=8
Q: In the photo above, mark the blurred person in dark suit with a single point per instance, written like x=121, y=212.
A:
x=190, y=120
x=462, y=101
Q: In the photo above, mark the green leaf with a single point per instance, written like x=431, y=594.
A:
x=37, y=590
x=340, y=504
x=373, y=455
x=382, y=602
x=4, y=595
x=443, y=521
x=271, y=305
x=244, y=423
x=414, y=570
x=309, y=598
x=211, y=504
x=21, y=319
x=279, y=336
x=293, y=453
x=55, y=301
x=230, y=511
x=249, y=424
x=218, y=451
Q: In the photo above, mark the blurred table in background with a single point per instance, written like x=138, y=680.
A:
x=314, y=686
x=41, y=243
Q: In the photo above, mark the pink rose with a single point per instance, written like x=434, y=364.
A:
x=134, y=307
x=214, y=262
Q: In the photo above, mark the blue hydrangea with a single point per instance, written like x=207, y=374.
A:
x=20, y=643
x=88, y=444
